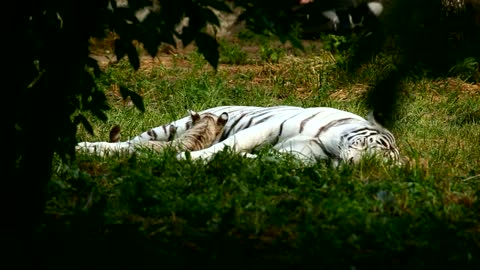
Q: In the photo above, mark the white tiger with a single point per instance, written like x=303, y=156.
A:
x=309, y=134
x=202, y=131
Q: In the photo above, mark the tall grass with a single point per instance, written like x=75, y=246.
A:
x=272, y=212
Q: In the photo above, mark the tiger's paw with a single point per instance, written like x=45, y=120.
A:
x=248, y=155
x=183, y=156
x=90, y=148
x=102, y=148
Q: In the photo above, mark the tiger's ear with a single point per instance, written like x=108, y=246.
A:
x=115, y=134
x=194, y=115
x=222, y=119
x=371, y=118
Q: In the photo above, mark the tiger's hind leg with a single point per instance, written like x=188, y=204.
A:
x=242, y=142
x=127, y=147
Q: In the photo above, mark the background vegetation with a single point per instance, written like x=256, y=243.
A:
x=273, y=211
x=155, y=211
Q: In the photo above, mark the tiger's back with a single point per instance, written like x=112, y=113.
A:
x=309, y=133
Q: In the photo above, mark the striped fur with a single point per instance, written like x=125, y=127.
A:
x=206, y=128
x=309, y=134
x=203, y=129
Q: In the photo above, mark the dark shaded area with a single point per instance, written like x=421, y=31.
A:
x=427, y=38
x=187, y=215
x=52, y=85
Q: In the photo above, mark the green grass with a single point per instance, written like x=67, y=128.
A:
x=272, y=212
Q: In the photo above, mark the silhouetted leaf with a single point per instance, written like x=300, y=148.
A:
x=133, y=57
x=136, y=98
x=219, y=5
x=208, y=46
x=188, y=35
x=100, y=114
x=94, y=64
x=99, y=101
x=113, y=3
x=83, y=120
x=120, y=49
x=151, y=46
x=149, y=35
x=167, y=37
x=139, y=4
x=126, y=14
x=208, y=15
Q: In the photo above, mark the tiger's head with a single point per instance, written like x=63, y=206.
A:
x=205, y=129
x=373, y=140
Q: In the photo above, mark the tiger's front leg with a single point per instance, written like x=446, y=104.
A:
x=242, y=142
x=304, y=148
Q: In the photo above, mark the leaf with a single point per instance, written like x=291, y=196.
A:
x=133, y=57
x=113, y=3
x=82, y=119
x=208, y=15
x=126, y=14
x=148, y=35
x=99, y=114
x=99, y=100
x=151, y=46
x=120, y=48
x=136, y=98
x=188, y=35
x=94, y=64
x=138, y=4
x=219, y=5
x=208, y=46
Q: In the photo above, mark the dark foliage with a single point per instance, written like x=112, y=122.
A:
x=428, y=39
x=52, y=80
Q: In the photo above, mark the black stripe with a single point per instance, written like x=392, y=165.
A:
x=302, y=124
x=227, y=134
x=279, y=133
x=258, y=114
x=332, y=124
x=360, y=132
x=152, y=134
x=263, y=119
x=281, y=128
x=384, y=142
x=324, y=149
x=390, y=137
x=248, y=124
